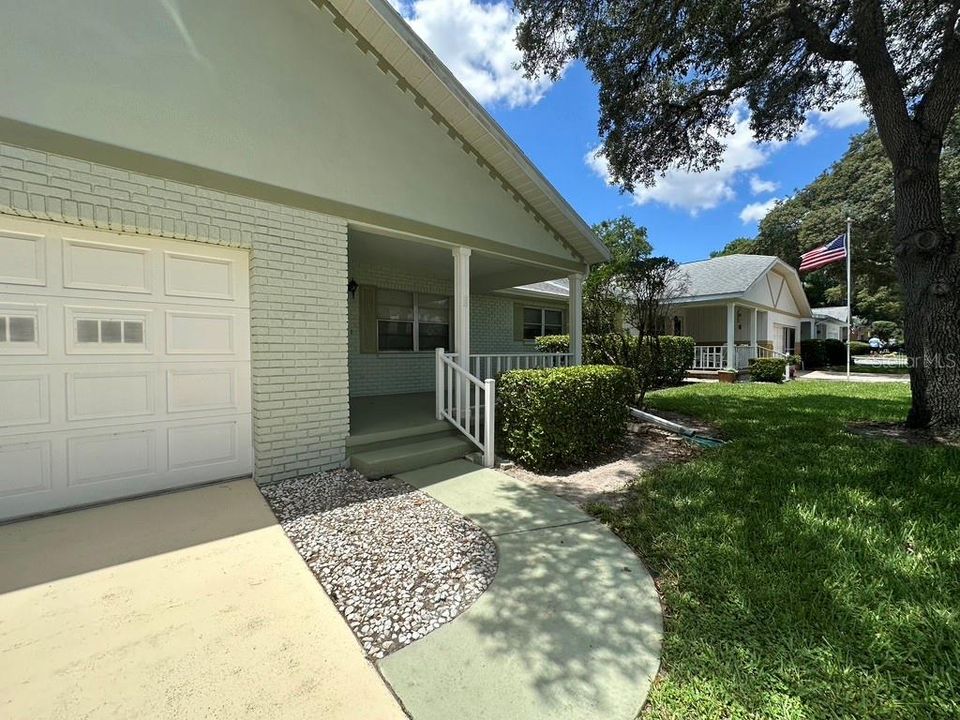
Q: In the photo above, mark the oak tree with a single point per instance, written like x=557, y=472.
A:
x=670, y=73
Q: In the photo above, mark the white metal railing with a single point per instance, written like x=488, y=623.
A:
x=490, y=365
x=714, y=357
x=709, y=357
x=467, y=402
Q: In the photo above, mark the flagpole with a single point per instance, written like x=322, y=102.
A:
x=849, y=294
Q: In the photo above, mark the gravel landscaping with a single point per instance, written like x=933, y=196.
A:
x=397, y=563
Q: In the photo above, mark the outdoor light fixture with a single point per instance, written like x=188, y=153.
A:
x=352, y=287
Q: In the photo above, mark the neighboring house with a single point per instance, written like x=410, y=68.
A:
x=225, y=223
x=829, y=323
x=734, y=306
x=738, y=307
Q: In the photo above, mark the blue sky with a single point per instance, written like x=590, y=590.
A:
x=687, y=215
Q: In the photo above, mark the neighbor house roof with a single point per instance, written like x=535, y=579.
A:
x=548, y=288
x=837, y=313
x=390, y=36
x=725, y=275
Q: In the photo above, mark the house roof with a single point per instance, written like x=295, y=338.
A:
x=390, y=36
x=725, y=275
x=837, y=313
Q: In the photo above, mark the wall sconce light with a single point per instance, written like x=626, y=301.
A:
x=352, y=287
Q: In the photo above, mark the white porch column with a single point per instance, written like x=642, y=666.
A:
x=575, y=317
x=754, y=330
x=731, y=335
x=461, y=305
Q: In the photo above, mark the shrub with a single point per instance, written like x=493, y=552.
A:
x=836, y=352
x=562, y=416
x=813, y=354
x=859, y=348
x=676, y=355
x=768, y=369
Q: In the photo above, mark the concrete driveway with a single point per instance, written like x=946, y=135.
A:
x=186, y=605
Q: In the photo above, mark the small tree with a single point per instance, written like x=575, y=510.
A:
x=884, y=329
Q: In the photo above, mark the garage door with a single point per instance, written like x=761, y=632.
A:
x=124, y=365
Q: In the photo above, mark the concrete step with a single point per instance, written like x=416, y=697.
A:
x=380, y=461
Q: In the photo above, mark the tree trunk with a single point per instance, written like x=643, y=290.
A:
x=928, y=266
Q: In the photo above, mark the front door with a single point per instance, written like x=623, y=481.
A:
x=788, y=340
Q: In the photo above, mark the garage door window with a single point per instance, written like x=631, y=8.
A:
x=17, y=329
x=110, y=332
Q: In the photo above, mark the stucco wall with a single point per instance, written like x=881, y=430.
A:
x=491, y=331
x=272, y=92
x=298, y=277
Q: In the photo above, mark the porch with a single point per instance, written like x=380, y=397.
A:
x=431, y=326
x=733, y=334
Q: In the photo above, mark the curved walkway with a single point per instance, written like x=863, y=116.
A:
x=570, y=627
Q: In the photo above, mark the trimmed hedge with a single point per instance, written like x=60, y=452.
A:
x=768, y=369
x=676, y=354
x=821, y=353
x=562, y=416
x=859, y=348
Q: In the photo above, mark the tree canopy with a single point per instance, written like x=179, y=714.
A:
x=859, y=184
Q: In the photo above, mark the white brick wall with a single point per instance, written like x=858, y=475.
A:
x=298, y=280
x=491, y=331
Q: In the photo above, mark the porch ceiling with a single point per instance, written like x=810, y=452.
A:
x=488, y=272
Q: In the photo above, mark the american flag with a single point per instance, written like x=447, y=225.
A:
x=824, y=255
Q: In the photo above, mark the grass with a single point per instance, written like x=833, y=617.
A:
x=805, y=572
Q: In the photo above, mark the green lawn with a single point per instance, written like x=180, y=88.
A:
x=805, y=572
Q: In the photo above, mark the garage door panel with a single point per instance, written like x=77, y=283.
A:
x=199, y=277
x=23, y=258
x=200, y=445
x=111, y=456
x=25, y=468
x=194, y=333
x=202, y=390
x=99, y=396
x=124, y=365
x=24, y=400
x=106, y=266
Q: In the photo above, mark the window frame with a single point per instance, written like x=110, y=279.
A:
x=415, y=323
x=543, y=310
x=37, y=315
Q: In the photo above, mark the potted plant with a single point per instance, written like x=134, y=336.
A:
x=793, y=362
x=727, y=375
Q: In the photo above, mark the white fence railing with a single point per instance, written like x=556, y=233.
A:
x=467, y=402
x=714, y=357
x=489, y=366
x=709, y=357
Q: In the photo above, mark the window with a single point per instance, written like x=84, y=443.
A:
x=18, y=329
x=412, y=322
x=541, y=321
x=110, y=332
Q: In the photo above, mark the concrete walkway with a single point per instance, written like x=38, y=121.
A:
x=854, y=376
x=570, y=627
x=192, y=604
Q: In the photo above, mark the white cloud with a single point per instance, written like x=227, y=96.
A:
x=694, y=192
x=476, y=41
x=846, y=114
x=759, y=186
x=755, y=212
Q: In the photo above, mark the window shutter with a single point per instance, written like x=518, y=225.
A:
x=518, y=321
x=368, y=318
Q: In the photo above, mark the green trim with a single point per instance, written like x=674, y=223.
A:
x=29, y=136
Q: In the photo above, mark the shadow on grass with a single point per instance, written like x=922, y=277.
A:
x=805, y=572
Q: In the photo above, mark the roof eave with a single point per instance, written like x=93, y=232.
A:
x=567, y=222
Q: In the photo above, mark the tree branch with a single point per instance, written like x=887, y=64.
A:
x=940, y=101
x=816, y=37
